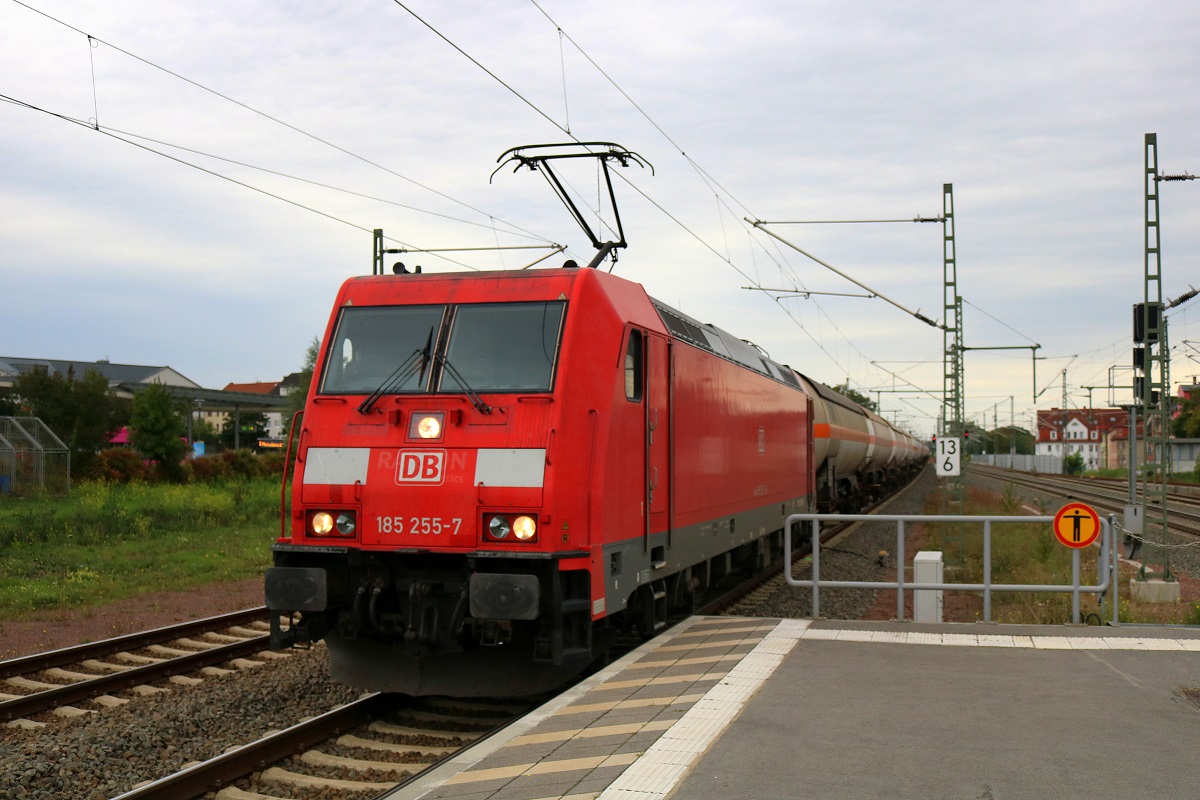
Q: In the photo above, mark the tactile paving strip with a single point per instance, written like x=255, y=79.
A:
x=581, y=745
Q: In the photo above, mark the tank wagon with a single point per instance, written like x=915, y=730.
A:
x=498, y=473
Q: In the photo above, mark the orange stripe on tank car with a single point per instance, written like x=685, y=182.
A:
x=821, y=431
x=843, y=434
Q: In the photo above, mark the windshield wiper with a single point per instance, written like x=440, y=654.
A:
x=400, y=374
x=476, y=400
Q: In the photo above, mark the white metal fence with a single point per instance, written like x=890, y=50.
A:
x=1106, y=565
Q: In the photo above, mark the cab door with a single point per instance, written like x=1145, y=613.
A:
x=658, y=460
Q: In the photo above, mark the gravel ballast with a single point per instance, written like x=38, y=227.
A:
x=107, y=753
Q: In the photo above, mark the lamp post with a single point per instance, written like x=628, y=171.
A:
x=200, y=411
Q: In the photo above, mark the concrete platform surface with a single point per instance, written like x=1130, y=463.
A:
x=752, y=708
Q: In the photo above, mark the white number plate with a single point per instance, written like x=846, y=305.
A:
x=419, y=526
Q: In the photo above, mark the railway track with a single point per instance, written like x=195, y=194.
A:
x=49, y=684
x=375, y=744
x=1110, y=496
x=365, y=749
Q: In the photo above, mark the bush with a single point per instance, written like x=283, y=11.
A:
x=208, y=469
x=272, y=463
x=123, y=465
x=243, y=463
x=120, y=465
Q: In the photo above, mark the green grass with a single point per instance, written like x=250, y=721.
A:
x=1025, y=553
x=1115, y=472
x=110, y=541
x=1028, y=553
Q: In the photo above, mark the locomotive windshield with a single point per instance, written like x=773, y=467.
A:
x=492, y=347
x=504, y=347
x=372, y=342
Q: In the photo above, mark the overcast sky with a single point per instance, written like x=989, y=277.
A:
x=1035, y=112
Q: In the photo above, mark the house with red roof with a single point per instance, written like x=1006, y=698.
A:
x=1094, y=433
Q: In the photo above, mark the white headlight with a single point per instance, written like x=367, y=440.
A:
x=499, y=527
x=426, y=425
x=322, y=523
x=429, y=427
x=524, y=528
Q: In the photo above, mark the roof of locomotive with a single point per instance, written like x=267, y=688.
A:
x=395, y=288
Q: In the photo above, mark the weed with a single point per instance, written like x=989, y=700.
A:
x=1010, y=501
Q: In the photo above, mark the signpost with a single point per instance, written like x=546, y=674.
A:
x=1076, y=525
x=949, y=457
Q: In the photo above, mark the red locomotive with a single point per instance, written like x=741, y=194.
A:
x=499, y=472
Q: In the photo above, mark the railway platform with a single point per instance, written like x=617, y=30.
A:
x=739, y=707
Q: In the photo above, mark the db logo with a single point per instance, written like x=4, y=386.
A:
x=421, y=466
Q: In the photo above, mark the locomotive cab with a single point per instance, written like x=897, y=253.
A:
x=439, y=526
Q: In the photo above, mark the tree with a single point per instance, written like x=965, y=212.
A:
x=203, y=431
x=250, y=429
x=1187, y=423
x=84, y=413
x=299, y=394
x=858, y=397
x=1004, y=438
x=48, y=397
x=157, y=430
x=1073, y=464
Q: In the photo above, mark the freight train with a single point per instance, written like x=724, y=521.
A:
x=497, y=474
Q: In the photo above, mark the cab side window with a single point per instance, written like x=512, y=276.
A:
x=633, y=367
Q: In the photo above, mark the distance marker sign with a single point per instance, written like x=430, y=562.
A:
x=1076, y=525
x=948, y=460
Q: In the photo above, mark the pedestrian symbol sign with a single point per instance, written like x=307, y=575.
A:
x=1076, y=525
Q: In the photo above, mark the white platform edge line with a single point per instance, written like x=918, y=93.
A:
x=1141, y=644
x=666, y=762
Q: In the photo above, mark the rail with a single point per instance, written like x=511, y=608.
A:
x=1106, y=565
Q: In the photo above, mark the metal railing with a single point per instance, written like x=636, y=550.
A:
x=1106, y=564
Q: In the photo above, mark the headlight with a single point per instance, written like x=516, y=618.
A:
x=499, y=527
x=426, y=425
x=524, y=528
x=332, y=523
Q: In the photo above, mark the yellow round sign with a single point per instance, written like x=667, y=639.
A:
x=1076, y=525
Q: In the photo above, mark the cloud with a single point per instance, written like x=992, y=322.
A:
x=811, y=110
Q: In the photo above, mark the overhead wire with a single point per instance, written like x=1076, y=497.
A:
x=490, y=227
x=493, y=75
x=107, y=132
x=704, y=175
x=994, y=319
x=273, y=119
